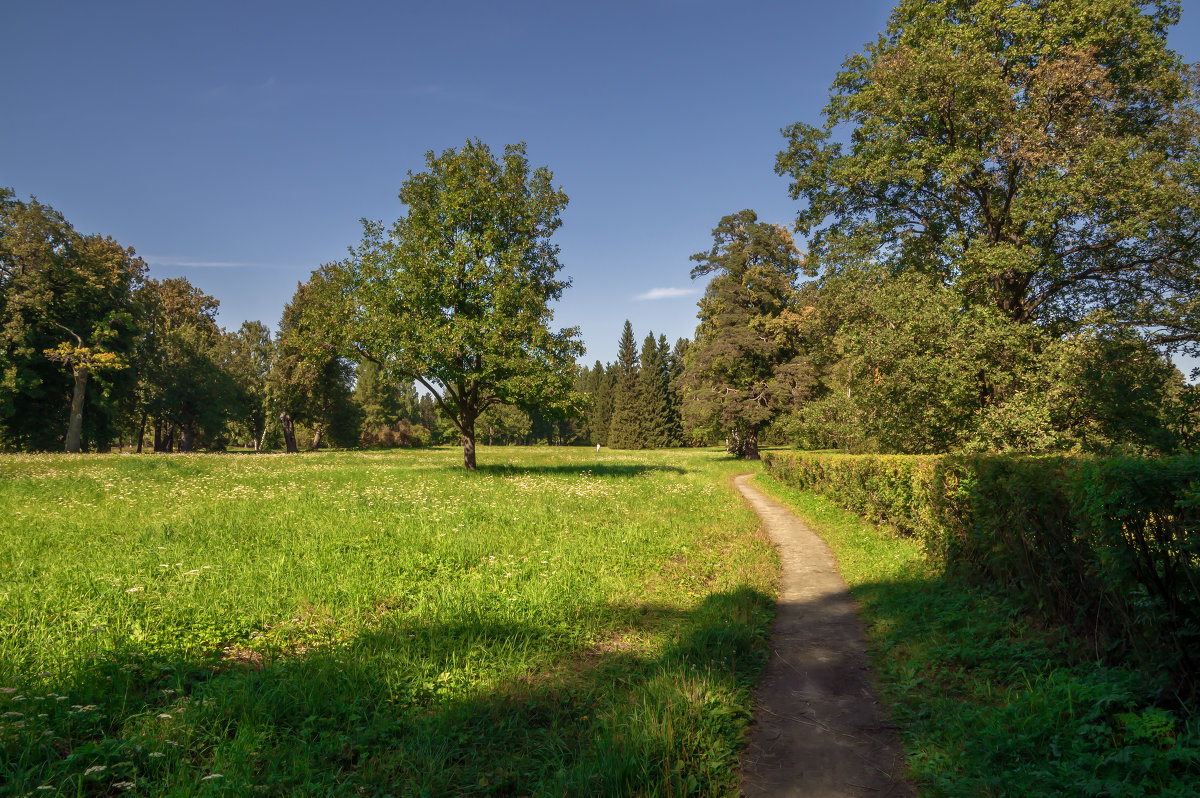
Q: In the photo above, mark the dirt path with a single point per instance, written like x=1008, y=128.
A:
x=818, y=730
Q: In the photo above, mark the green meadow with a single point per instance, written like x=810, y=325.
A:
x=561, y=622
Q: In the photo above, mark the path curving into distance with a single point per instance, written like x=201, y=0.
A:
x=818, y=730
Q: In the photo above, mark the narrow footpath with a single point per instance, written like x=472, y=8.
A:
x=818, y=730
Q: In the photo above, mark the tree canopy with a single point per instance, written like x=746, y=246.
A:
x=1041, y=157
x=744, y=366
x=455, y=295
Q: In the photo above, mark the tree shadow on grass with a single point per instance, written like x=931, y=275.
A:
x=409, y=708
x=597, y=469
x=990, y=701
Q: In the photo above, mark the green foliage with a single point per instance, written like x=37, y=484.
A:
x=1107, y=547
x=989, y=701
x=906, y=368
x=456, y=294
x=1038, y=157
x=374, y=623
x=744, y=367
x=181, y=359
x=310, y=382
x=627, y=428
x=65, y=299
x=248, y=355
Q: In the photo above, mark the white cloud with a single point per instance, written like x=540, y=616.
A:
x=666, y=293
x=185, y=263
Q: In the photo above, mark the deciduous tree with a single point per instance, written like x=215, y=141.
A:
x=455, y=295
x=1039, y=156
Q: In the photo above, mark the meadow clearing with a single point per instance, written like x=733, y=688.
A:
x=561, y=622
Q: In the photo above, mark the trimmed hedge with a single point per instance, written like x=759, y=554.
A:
x=1109, y=547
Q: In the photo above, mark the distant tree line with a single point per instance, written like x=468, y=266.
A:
x=95, y=354
x=635, y=403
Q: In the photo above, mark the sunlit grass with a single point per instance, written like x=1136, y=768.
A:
x=371, y=623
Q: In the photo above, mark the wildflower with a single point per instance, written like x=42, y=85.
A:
x=95, y=769
x=163, y=716
x=157, y=754
x=211, y=776
x=124, y=785
x=8, y=690
x=134, y=589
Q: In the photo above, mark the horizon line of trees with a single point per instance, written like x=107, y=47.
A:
x=1003, y=233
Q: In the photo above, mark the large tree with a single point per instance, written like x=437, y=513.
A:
x=311, y=381
x=1039, y=156
x=183, y=384
x=627, y=425
x=744, y=366
x=65, y=300
x=456, y=294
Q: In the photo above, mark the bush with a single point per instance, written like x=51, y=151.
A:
x=1109, y=547
x=402, y=435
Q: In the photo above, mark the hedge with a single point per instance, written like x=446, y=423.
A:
x=1109, y=547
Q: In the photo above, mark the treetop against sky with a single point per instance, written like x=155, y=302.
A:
x=240, y=145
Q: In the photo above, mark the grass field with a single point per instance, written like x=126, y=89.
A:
x=561, y=622
x=988, y=702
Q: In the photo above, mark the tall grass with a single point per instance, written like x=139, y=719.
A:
x=560, y=622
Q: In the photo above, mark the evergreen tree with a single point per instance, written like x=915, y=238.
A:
x=675, y=363
x=744, y=367
x=602, y=403
x=673, y=431
x=654, y=395
x=626, y=430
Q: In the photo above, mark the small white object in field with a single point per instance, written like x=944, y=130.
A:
x=597, y=447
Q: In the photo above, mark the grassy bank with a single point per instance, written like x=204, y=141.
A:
x=988, y=702
x=562, y=622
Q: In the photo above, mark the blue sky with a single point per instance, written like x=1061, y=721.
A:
x=238, y=144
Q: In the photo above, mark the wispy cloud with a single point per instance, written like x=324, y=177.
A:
x=188, y=263
x=666, y=293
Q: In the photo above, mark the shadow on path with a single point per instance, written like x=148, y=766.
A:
x=818, y=729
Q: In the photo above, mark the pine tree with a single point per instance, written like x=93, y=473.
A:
x=602, y=403
x=626, y=430
x=673, y=431
x=675, y=370
x=654, y=395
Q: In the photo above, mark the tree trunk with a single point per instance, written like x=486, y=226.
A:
x=262, y=441
x=316, y=442
x=169, y=443
x=141, y=432
x=186, y=438
x=750, y=445
x=75, y=426
x=468, y=439
x=289, y=431
x=158, y=436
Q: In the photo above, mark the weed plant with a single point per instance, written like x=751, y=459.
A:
x=988, y=701
x=560, y=623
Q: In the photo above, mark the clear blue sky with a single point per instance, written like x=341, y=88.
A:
x=238, y=144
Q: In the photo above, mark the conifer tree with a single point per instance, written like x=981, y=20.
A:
x=654, y=395
x=626, y=430
x=673, y=432
x=602, y=403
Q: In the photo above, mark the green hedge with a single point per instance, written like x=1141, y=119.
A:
x=1110, y=547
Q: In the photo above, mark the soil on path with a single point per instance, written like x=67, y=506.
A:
x=818, y=730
